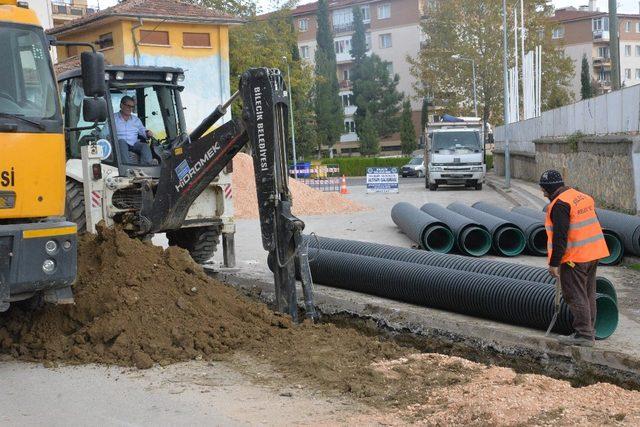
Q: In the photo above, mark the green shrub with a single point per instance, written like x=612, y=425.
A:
x=488, y=159
x=357, y=166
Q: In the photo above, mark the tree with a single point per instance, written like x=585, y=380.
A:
x=471, y=29
x=424, y=113
x=586, y=90
x=244, y=8
x=408, y=141
x=374, y=88
x=369, y=142
x=328, y=105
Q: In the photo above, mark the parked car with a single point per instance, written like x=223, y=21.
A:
x=415, y=167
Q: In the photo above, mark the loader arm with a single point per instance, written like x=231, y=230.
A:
x=191, y=167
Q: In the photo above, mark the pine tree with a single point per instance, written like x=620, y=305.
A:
x=374, y=89
x=359, y=38
x=408, y=141
x=328, y=105
x=368, y=135
x=586, y=90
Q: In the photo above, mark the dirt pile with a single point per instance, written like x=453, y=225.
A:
x=138, y=304
x=306, y=200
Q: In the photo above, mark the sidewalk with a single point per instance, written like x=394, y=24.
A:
x=520, y=193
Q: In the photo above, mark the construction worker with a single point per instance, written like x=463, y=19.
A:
x=575, y=244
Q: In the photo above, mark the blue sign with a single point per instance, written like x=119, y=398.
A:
x=382, y=180
x=183, y=169
x=106, y=148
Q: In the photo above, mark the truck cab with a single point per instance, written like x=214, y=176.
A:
x=454, y=154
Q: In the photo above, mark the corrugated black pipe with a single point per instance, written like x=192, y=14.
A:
x=430, y=233
x=508, y=240
x=497, y=298
x=625, y=226
x=471, y=238
x=614, y=243
x=533, y=229
x=455, y=262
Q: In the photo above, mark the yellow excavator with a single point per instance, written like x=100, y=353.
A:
x=38, y=247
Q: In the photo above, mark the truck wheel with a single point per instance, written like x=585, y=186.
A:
x=74, y=205
x=433, y=187
x=201, y=242
x=479, y=186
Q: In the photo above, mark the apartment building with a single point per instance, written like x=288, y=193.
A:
x=67, y=10
x=392, y=32
x=585, y=31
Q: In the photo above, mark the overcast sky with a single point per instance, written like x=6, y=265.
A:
x=624, y=6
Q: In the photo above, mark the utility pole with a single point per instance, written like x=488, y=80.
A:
x=505, y=96
x=614, y=44
x=293, y=128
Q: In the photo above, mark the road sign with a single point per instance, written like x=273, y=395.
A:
x=382, y=180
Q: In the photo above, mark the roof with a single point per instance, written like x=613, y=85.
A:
x=73, y=70
x=567, y=14
x=170, y=10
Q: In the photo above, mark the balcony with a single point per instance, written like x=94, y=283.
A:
x=600, y=36
x=349, y=137
x=602, y=62
x=345, y=84
x=348, y=27
x=350, y=110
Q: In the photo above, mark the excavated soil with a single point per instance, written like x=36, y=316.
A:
x=306, y=200
x=139, y=305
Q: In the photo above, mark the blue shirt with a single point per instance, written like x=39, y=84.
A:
x=128, y=129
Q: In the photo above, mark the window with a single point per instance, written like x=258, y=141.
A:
x=390, y=68
x=558, y=33
x=349, y=126
x=304, y=52
x=627, y=26
x=637, y=73
x=385, y=41
x=637, y=50
x=303, y=25
x=627, y=50
x=366, y=17
x=384, y=11
x=367, y=37
x=160, y=38
x=342, y=46
x=637, y=27
x=196, y=40
x=627, y=73
x=346, y=100
x=342, y=20
x=105, y=40
x=603, y=52
x=345, y=74
x=600, y=24
x=604, y=76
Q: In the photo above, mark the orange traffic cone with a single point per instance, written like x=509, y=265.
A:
x=343, y=187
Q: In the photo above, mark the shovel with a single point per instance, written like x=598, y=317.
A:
x=556, y=306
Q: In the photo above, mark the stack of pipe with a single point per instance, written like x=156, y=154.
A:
x=471, y=238
x=428, y=232
x=532, y=228
x=500, y=291
x=508, y=239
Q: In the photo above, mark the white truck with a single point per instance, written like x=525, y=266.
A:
x=454, y=153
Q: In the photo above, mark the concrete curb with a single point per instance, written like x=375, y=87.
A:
x=503, y=192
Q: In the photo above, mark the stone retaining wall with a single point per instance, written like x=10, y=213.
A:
x=523, y=164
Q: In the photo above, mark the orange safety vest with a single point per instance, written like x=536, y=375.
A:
x=585, y=241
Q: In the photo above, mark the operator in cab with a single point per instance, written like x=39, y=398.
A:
x=129, y=127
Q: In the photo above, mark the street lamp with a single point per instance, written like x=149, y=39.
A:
x=293, y=130
x=473, y=67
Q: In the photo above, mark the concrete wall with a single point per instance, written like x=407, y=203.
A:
x=605, y=164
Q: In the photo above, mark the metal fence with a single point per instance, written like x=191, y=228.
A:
x=612, y=113
x=319, y=177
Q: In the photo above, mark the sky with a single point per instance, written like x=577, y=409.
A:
x=624, y=6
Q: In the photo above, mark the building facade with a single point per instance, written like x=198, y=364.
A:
x=64, y=11
x=161, y=33
x=393, y=33
x=586, y=32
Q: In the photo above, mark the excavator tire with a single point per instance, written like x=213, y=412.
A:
x=74, y=205
x=201, y=242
